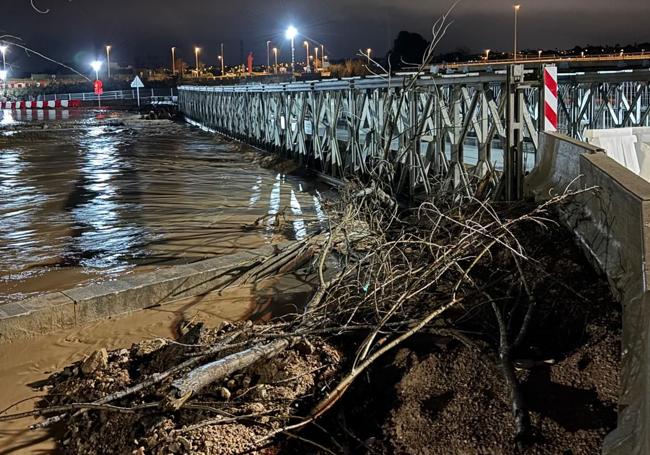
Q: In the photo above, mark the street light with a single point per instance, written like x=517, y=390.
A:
x=3, y=50
x=196, y=57
x=517, y=7
x=316, y=59
x=291, y=34
x=96, y=65
x=275, y=53
x=222, y=61
x=306, y=44
x=539, y=54
x=108, y=60
x=3, y=78
x=268, y=56
x=487, y=54
x=173, y=61
x=368, y=51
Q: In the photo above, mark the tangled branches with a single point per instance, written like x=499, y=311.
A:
x=385, y=274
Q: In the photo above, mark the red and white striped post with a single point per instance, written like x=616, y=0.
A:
x=550, y=98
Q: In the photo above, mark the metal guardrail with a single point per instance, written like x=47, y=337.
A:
x=152, y=94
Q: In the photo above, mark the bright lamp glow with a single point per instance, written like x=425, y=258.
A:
x=96, y=65
x=4, y=48
x=291, y=32
x=3, y=75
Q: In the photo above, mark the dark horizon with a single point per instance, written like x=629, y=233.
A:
x=76, y=32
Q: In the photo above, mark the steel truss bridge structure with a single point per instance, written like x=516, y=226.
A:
x=417, y=130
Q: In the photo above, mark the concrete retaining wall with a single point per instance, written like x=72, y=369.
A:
x=612, y=224
x=66, y=309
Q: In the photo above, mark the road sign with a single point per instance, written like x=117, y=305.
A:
x=99, y=87
x=137, y=85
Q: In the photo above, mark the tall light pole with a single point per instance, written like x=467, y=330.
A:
x=487, y=54
x=222, y=61
x=316, y=59
x=517, y=7
x=196, y=57
x=3, y=50
x=3, y=73
x=173, y=61
x=108, y=60
x=368, y=51
x=3, y=78
x=268, y=56
x=291, y=35
x=96, y=65
x=306, y=44
x=275, y=53
x=322, y=53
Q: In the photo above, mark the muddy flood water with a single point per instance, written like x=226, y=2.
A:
x=90, y=197
x=96, y=196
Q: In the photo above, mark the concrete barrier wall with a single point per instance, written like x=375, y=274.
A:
x=612, y=223
x=60, y=310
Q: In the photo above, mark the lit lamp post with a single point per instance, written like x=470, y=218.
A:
x=306, y=44
x=517, y=7
x=3, y=50
x=487, y=54
x=3, y=78
x=291, y=35
x=316, y=59
x=539, y=54
x=275, y=54
x=3, y=73
x=108, y=60
x=368, y=51
x=96, y=65
x=221, y=64
x=222, y=61
x=196, y=57
x=268, y=56
x=173, y=61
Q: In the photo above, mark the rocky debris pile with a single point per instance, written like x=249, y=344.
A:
x=228, y=416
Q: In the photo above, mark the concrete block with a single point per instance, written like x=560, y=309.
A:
x=36, y=316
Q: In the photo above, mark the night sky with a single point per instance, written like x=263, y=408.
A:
x=75, y=31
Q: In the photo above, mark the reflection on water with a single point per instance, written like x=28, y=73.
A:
x=97, y=201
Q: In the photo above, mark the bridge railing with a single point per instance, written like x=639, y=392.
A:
x=452, y=127
x=146, y=94
x=459, y=129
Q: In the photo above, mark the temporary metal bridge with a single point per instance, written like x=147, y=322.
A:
x=453, y=129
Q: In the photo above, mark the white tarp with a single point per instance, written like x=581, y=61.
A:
x=619, y=144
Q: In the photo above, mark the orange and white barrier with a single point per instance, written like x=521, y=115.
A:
x=58, y=104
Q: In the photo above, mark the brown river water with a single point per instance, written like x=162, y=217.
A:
x=97, y=199
x=87, y=197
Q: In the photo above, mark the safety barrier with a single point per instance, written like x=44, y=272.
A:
x=612, y=224
x=58, y=104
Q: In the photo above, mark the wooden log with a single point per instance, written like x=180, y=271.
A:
x=211, y=372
